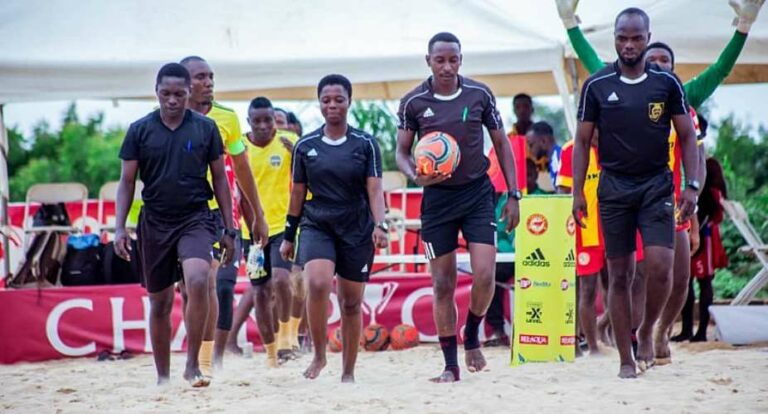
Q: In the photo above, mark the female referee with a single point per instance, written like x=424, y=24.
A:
x=341, y=225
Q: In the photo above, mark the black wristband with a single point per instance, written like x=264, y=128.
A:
x=291, y=227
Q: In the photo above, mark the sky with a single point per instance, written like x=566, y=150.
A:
x=748, y=102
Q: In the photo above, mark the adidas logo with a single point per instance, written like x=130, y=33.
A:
x=428, y=113
x=536, y=259
x=365, y=269
x=570, y=260
x=613, y=97
x=312, y=153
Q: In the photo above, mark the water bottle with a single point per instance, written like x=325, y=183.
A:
x=254, y=266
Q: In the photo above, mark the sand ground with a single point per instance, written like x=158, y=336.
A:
x=705, y=378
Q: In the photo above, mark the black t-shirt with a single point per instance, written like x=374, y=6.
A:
x=461, y=115
x=173, y=164
x=336, y=172
x=633, y=117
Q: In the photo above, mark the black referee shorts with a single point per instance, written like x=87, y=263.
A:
x=445, y=210
x=343, y=237
x=628, y=203
x=163, y=243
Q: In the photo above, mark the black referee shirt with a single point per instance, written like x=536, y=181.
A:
x=336, y=171
x=462, y=115
x=633, y=117
x=173, y=164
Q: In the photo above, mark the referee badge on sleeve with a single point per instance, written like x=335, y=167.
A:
x=655, y=110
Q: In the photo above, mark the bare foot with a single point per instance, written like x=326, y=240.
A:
x=285, y=355
x=596, y=353
x=445, y=377
x=314, y=369
x=272, y=363
x=627, y=371
x=681, y=337
x=661, y=348
x=604, y=330
x=699, y=337
x=161, y=381
x=195, y=378
x=645, y=365
x=233, y=348
x=348, y=378
x=500, y=338
x=645, y=355
x=474, y=359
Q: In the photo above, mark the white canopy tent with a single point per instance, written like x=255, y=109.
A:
x=697, y=30
x=57, y=49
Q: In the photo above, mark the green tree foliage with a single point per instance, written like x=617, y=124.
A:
x=18, y=154
x=744, y=158
x=82, y=152
x=554, y=116
x=377, y=119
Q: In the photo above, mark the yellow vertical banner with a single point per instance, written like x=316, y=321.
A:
x=545, y=281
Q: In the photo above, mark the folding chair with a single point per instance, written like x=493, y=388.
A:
x=51, y=194
x=754, y=246
x=395, y=216
x=108, y=193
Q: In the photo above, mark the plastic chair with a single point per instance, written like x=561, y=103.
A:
x=53, y=193
x=108, y=193
x=754, y=246
x=395, y=216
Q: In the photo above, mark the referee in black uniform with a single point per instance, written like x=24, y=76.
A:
x=171, y=150
x=343, y=223
x=633, y=105
x=461, y=107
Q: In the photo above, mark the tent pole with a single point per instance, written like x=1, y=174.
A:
x=574, y=78
x=562, y=88
x=4, y=194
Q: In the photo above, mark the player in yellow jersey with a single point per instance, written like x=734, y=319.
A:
x=221, y=284
x=281, y=119
x=269, y=153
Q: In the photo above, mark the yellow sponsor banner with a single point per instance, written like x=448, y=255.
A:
x=545, y=281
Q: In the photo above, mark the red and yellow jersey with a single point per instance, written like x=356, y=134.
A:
x=519, y=150
x=676, y=161
x=591, y=236
x=229, y=129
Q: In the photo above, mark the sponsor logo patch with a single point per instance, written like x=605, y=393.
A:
x=570, y=260
x=570, y=226
x=536, y=259
x=655, y=111
x=584, y=258
x=534, y=339
x=534, y=312
x=537, y=224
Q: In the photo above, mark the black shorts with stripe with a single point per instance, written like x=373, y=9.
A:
x=467, y=208
x=631, y=203
x=341, y=235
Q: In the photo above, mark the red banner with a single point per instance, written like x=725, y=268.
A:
x=411, y=243
x=38, y=325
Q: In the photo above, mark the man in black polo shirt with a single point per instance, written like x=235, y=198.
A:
x=463, y=201
x=171, y=150
x=632, y=103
